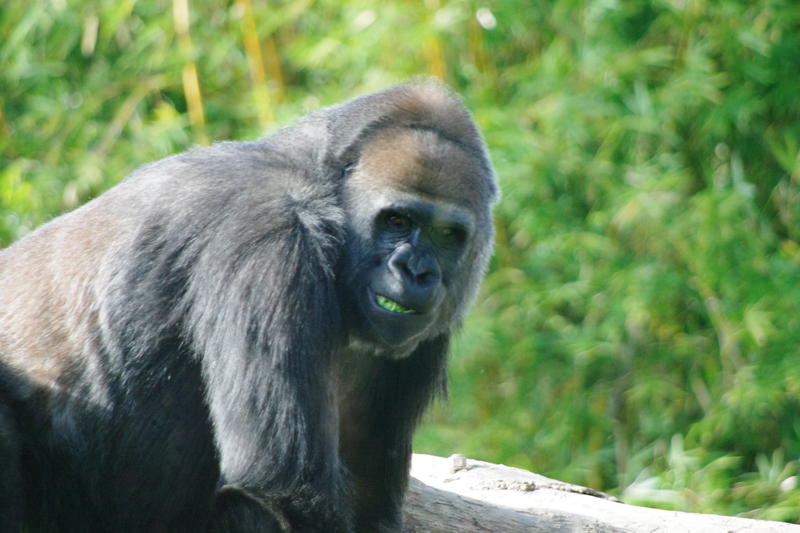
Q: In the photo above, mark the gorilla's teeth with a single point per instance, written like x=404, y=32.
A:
x=391, y=305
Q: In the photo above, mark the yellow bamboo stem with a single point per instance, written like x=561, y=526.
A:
x=5, y=129
x=274, y=67
x=434, y=55
x=189, y=78
x=258, y=74
x=476, y=48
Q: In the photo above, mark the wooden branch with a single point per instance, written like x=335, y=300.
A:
x=466, y=496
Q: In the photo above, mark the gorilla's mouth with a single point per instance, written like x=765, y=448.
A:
x=390, y=305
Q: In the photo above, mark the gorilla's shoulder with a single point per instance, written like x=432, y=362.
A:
x=252, y=193
x=236, y=177
x=227, y=162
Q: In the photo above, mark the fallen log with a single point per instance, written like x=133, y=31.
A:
x=459, y=495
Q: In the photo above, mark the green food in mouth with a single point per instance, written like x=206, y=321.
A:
x=391, y=305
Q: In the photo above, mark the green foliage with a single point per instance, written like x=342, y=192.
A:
x=639, y=330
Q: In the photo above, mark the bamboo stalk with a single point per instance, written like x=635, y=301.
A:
x=477, y=49
x=434, y=55
x=274, y=67
x=189, y=77
x=5, y=129
x=91, y=24
x=258, y=74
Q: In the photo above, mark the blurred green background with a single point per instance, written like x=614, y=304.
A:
x=639, y=330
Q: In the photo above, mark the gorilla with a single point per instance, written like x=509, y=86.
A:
x=243, y=337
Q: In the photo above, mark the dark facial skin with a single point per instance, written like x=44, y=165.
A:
x=416, y=249
x=410, y=244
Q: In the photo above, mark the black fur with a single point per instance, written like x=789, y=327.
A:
x=178, y=354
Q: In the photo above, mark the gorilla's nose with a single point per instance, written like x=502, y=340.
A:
x=415, y=266
x=419, y=275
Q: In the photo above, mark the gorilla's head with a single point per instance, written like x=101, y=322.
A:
x=420, y=230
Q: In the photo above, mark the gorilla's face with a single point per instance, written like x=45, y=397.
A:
x=414, y=252
x=408, y=242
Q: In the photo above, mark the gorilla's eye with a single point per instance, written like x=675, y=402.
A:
x=450, y=235
x=398, y=222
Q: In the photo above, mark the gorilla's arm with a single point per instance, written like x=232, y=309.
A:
x=266, y=326
x=251, y=288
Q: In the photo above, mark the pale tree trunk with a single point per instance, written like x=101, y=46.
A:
x=458, y=495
